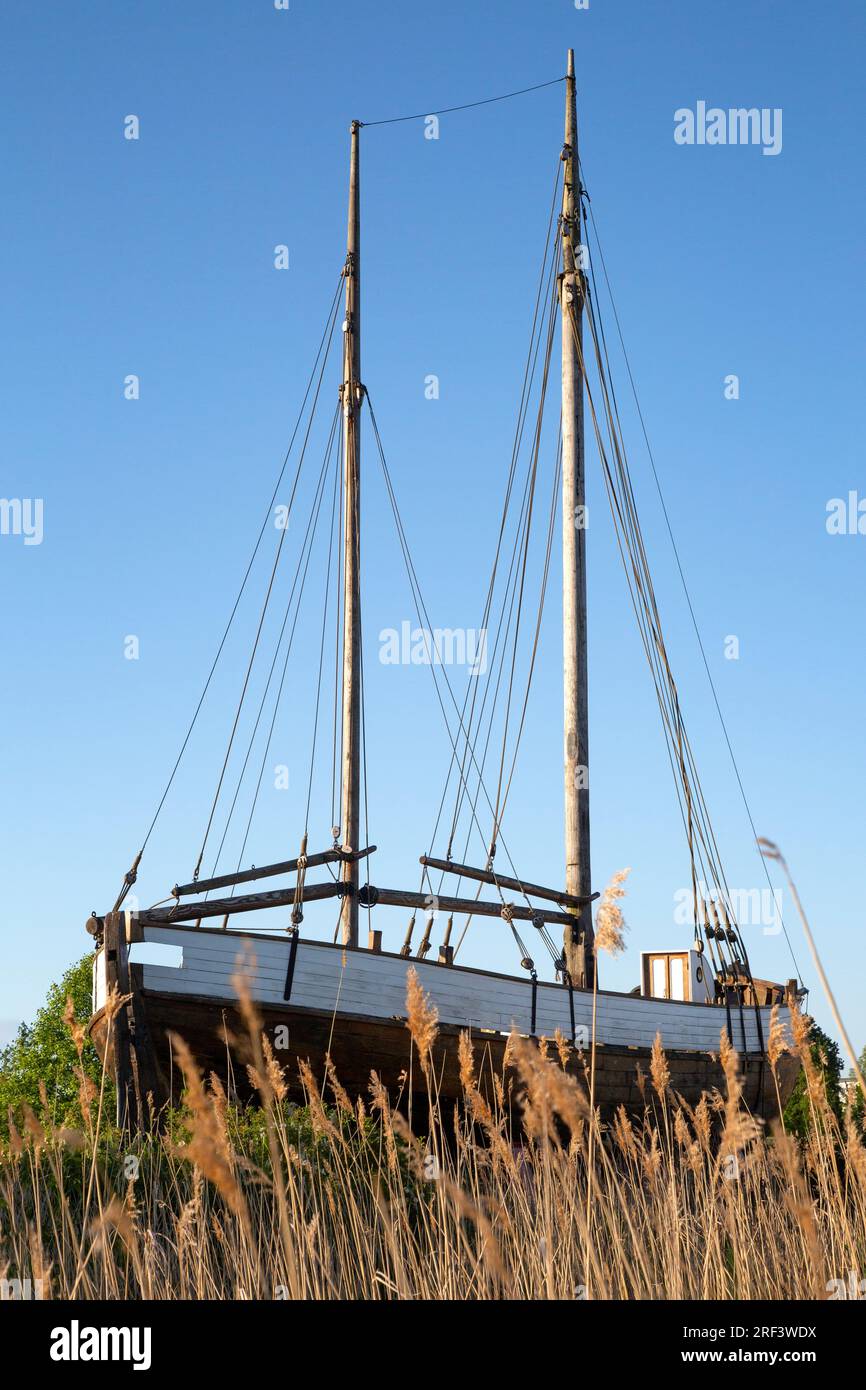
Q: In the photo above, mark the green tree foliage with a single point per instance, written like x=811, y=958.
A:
x=42, y=1062
x=859, y=1104
x=828, y=1063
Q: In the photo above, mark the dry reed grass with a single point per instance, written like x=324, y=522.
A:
x=465, y=1205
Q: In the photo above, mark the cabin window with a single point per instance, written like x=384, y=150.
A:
x=666, y=976
x=660, y=977
x=676, y=967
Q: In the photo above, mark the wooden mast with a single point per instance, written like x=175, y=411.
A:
x=578, y=939
x=352, y=397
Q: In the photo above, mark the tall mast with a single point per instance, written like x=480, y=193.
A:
x=352, y=396
x=578, y=939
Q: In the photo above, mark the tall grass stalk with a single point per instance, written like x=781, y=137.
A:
x=344, y=1199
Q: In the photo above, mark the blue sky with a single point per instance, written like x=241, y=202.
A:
x=156, y=257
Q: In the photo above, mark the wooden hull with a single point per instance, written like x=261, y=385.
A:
x=357, y=1045
x=350, y=1004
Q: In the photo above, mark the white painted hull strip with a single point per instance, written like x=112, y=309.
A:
x=373, y=985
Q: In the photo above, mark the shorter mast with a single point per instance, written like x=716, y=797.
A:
x=352, y=393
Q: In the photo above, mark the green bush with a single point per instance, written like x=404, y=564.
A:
x=859, y=1103
x=39, y=1068
x=828, y=1063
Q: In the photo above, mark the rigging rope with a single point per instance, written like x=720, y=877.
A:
x=307, y=547
x=680, y=570
x=338, y=732
x=628, y=531
x=265, y=605
x=467, y=106
x=324, y=627
x=467, y=737
x=421, y=608
x=327, y=334
x=304, y=557
x=521, y=547
x=545, y=278
x=639, y=581
x=522, y=581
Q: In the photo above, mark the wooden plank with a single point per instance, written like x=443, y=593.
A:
x=148, y=1079
x=99, y=983
x=117, y=977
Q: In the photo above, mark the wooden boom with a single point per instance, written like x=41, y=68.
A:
x=250, y=902
x=398, y=897
x=520, y=885
x=367, y=896
x=286, y=866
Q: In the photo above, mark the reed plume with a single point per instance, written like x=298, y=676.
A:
x=610, y=925
x=422, y=1018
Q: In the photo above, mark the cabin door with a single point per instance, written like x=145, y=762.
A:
x=668, y=976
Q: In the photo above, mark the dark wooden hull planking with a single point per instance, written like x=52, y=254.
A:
x=357, y=1045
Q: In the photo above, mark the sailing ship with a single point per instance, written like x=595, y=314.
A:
x=343, y=1001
